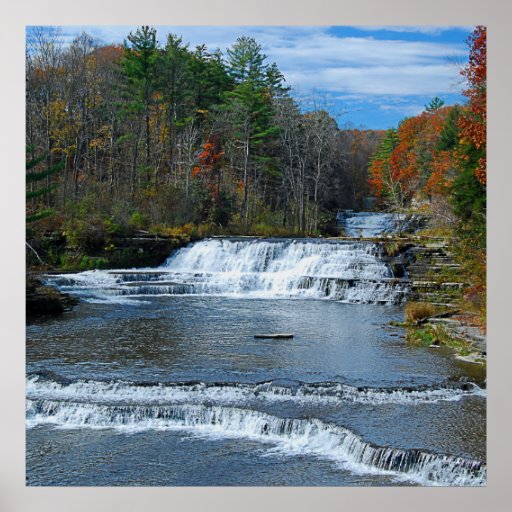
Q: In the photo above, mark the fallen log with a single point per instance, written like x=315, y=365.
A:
x=274, y=336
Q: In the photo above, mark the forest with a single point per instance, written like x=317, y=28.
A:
x=436, y=163
x=164, y=139
x=153, y=136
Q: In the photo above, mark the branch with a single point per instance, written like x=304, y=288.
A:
x=34, y=251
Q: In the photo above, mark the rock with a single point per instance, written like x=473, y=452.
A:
x=46, y=300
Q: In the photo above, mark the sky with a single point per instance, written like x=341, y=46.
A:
x=371, y=76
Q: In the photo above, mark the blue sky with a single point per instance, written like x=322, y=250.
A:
x=366, y=76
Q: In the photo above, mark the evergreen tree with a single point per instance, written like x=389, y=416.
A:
x=250, y=112
x=139, y=66
x=32, y=178
x=246, y=62
x=435, y=104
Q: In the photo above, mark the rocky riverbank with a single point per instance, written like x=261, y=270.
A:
x=120, y=252
x=437, y=284
x=45, y=300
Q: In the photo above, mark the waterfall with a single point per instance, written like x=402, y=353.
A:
x=369, y=224
x=254, y=268
x=287, y=436
x=40, y=386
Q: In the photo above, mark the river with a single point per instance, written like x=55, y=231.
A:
x=156, y=377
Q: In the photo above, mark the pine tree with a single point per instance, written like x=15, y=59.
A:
x=33, y=177
x=139, y=66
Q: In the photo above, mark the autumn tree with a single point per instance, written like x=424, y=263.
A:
x=474, y=123
x=137, y=127
x=393, y=173
x=469, y=186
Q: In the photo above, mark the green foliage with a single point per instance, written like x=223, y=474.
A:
x=468, y=196
x=434, y=104
x=39, y=216
x=246, y=62
x=32, y=177
x=436, y=334
x=421, y=337
x=137, y=220
x=224, y=209
x=92, y=263
x=450, y=135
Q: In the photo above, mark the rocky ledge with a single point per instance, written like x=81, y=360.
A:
x=46, y=300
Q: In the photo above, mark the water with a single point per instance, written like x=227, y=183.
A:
x=270, y=269
x=367, y=224
x=156, y=377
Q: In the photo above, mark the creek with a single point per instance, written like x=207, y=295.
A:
x=156, y=377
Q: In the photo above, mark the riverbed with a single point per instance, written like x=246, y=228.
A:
x=156, y=377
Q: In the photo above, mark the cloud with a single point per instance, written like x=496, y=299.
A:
x=407, y=110
x=313, y=58
x=378, y=80
x=418, y=29
x=357, y=72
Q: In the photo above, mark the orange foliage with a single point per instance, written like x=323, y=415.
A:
x=474, y=125
x=110, y=53
x=209, y=168
x=439, y=181
x=415, y=155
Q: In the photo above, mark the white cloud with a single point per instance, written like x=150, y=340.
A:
x=351, y=69
x=421, y=29
x=379, y=80
x=412, y=109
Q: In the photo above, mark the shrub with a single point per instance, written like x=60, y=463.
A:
x=421, y=337
x=137, y=220
x=92, y=263
x=185, y=232
x=87, y=234
x=416, y=311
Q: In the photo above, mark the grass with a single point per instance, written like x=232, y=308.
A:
x=417, y=311
x=436, y=232
x=436, y=335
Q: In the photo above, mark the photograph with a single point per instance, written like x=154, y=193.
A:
x=255, y=255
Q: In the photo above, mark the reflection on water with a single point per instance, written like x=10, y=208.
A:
x=340, y=355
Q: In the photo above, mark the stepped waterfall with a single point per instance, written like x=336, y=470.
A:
x=255, y=268
x=158, y=375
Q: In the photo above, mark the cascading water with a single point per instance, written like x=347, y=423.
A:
x=150, y=392
x=39, y=387
x=101, y=405
x=314, y=269
x=369, y=224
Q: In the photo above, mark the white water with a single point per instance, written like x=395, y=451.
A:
x=348, y=272
x=288, y=436
x=119, y=392
x=369, y=224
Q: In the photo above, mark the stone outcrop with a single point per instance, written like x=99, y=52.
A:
x=46, y=300
x=433, y=274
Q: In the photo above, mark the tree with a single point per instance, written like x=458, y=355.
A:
x=248, y=109
x=435, y=104
x=323, y=149
x=139, y=67
x=246, y=62
x=32, y=177
x=389, y=180
x=469, y=186
x=473, y=123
